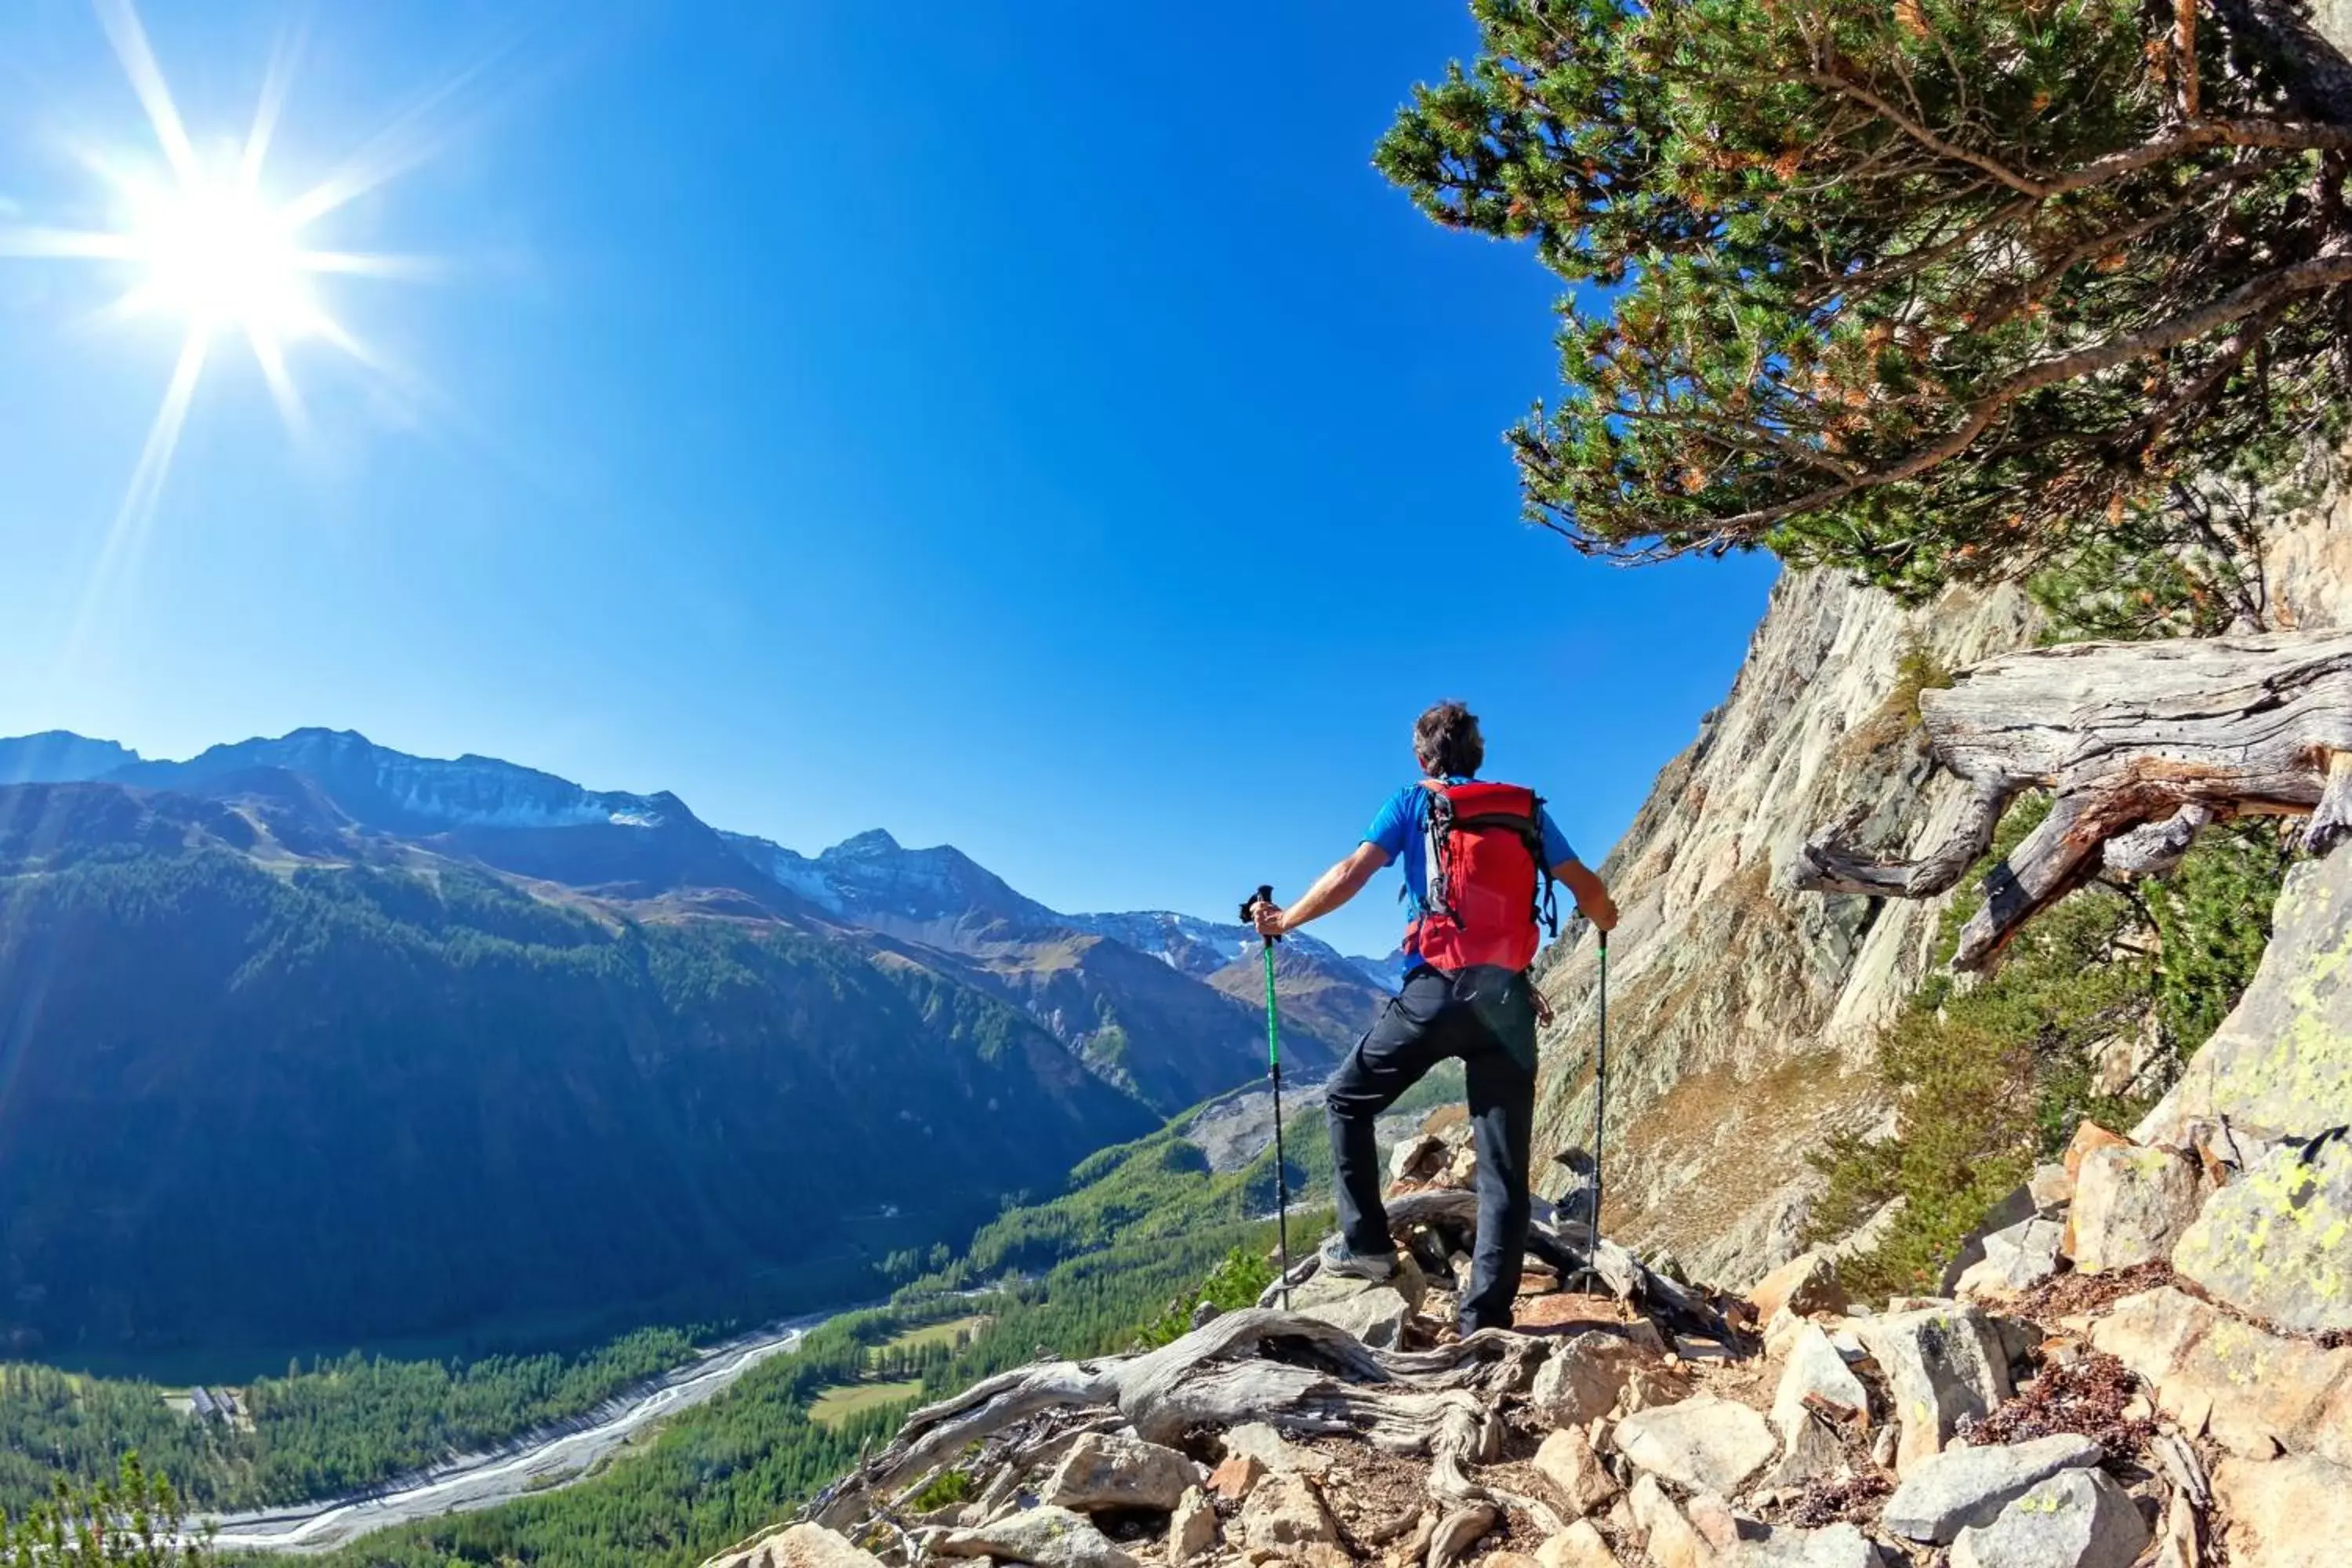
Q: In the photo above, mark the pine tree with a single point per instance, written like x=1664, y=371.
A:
x=1925, y=289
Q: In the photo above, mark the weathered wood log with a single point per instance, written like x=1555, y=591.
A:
x=2143, y=744
x=1224, y=1375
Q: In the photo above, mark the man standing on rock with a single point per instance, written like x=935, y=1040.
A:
x=1479, y=862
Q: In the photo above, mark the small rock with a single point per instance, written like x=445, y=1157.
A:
x=2014, y=1209
x=1375, y=1314
x=1046, y=1536
x=1193, y=1528
x=1324, y=1554
x=2273, y=1242
x=1806, y=1283
x=2076, y=1518
x=2052, y=1187
x=1236, y=1476
x=1461, y=1171
x=2025, y=1255
x=1567, y=1461
x=1836, y=1546
x=1508, y=1560
x=2131, y=1205
x=1417, y=1158
x=1277, y=1453
x=1285, y=1511
x=1813, y=1370
x=1942, y=1364
x=1651, y=1387
x=1882, y=1448
x=1703, y=1444
x=1581, y=1379
x=1712, y=1520
x=1779, y=1332
x=2089, y=1137
x=1666, y=1536
x=1810, y=1453
x=798, y=1546
x=2285, y=1513
x=1963, y=1487
x=1106, y=1470
x=1578, y=1546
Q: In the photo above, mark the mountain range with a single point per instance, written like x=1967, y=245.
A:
x=307, y=1042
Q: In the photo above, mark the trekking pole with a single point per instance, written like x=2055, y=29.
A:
x=1600, y=1100
x=1273, y=1073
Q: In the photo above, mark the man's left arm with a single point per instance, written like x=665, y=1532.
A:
x=1331, y=889
x=1590, y=893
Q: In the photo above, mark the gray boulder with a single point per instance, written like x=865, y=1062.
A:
x=2277, y=1064
x=2015, y=1207
x=2274, y=1243
x=798, y=1546
x=1702, y=1445
x=1942, y=1364
x=1837, y=1546
x=1580, y=1381
x=1567, y=1461
x=2077, y=1518
x=1049, y=1537
x=1964, y=1487
x=2025, y=1255
x=1103, y=1470
x=1814, y=1369
x=2131, y=1205
x=1375, y=1314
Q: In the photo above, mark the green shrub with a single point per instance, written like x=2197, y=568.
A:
x=1991, y=1077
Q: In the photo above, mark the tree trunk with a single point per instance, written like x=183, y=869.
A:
x=2143, y=744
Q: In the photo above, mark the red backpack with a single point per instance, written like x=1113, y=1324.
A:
x=1489, y=889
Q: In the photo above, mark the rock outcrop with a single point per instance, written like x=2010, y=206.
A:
x=2046, y=1432
x=1742, y=1012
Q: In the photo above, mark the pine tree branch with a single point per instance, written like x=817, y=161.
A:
x=2302, y=277
x=1925, y=137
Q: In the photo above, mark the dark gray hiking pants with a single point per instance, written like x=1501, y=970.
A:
x=1487, y=1017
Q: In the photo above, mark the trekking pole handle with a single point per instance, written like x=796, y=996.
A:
x=1264, y=895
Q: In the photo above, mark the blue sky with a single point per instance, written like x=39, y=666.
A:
x=1024, y=425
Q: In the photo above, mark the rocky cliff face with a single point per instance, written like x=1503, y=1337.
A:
x=1741, y=1011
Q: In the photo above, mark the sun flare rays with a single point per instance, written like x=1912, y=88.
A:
x=209, y=247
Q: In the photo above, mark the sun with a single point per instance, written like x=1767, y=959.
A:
x=219, y=255
x=203, y=246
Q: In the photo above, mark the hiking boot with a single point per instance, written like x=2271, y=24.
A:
x=1339, y=1260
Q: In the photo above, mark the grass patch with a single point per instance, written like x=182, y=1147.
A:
x=946, y=1333
x=835, y=1406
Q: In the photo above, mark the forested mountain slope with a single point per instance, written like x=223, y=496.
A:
x=312, y=1042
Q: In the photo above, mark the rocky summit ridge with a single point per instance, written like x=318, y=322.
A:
x=2142, y=1360
x=2145, y=1364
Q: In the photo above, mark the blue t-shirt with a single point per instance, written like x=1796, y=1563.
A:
x=1403, y=825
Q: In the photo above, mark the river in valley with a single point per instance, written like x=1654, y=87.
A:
x=539, y=1462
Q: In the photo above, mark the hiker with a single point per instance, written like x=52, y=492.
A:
x=1480, y=859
